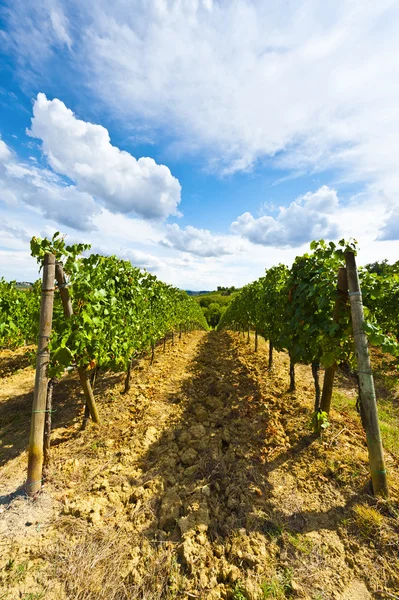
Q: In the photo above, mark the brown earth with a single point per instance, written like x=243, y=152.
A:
x=205, y=481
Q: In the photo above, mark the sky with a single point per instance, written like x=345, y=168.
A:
x=203, y=140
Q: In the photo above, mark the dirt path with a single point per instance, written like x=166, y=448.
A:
x=203, y=482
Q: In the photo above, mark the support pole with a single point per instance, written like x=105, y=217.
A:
x=270, y=366
x=35, y=460
x=47, y=428
x=256, y=340
x=368, y=400
x=329, y=374
x=292, y=387
x=68, y=312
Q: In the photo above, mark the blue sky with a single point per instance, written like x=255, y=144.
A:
x=204, y=140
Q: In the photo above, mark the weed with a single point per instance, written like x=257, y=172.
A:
x=97, y=445
x=33, y=596
x=301, y=543
x=319, y=422
x=10, y=564
x=20, y=571
x=368, y=520
x=279, y=586
x=238, y=592
x=272, y=530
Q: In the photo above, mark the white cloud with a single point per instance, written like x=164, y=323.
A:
x=5, y=153
x=83, y=152
x=42, y=189
x=390, y=229
x=303, y=220
x=242, y=79
x=60, y=26
x=200, y=242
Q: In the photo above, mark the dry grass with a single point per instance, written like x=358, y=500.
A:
x=108, y=563
x=368, y=520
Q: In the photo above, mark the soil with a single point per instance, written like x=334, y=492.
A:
x=204, y=481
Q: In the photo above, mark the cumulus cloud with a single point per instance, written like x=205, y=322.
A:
x=83, y=152
x=5, y=153
x=390, y=229
x=9, y=233
x=303, y=220
x=44, y=190
x=200, y=242
x=311, y=86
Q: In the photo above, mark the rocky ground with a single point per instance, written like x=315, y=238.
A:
x=205, y=481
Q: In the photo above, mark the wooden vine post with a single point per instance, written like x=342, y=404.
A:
x=368, y=402
x=47, y=427
x=329, y=374
x=68, y=312
x=35, y=460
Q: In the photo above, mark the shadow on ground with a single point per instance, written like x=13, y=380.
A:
x=68, y=404
x=214, y=464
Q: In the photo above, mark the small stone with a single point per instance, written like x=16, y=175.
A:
x=202, y=539
x=197, y=431
x=206, y=490
x=296, y=588
x=234, y=574
x=201, y=414
x=189, y=456
x=170, y=510
x=190, y=471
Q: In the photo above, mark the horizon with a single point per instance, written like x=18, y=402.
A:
x=203, y=141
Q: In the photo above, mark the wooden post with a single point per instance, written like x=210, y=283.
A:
x=180, y=330
x=249, y=329
x=47, y=427
x=315, y=374
x=127, y=380
x=340, y=304
x=68, y=312
x=35, y=460
x=164, y=343
x=270, y=355
x=368, y=400
x=256, y=340
x=292, y=387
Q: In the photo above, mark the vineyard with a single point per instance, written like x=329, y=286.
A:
x=166, y=461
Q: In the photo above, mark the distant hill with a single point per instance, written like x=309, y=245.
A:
x=191, y=293
x=23, y=285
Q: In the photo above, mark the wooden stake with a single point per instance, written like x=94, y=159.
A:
x=68, y=312
x=35, y=460
x=127, y=380
x=270, y=355
x=256, y=340
x=249, y=329
x=315, y=373
x=329, y=374
x=47, y=427
x=292, y=387
x=368, y=400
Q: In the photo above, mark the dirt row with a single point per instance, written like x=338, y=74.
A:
x=205, y=481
